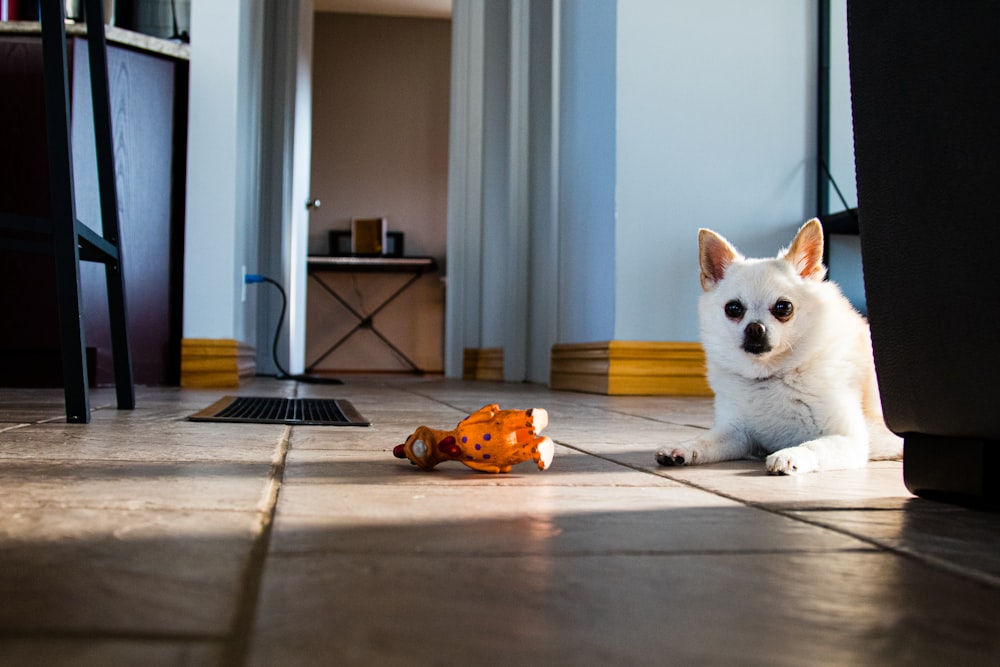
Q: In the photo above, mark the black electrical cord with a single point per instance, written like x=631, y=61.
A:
x=282, y=373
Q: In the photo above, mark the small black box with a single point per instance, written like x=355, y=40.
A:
x=340, y=243
x=394, y=244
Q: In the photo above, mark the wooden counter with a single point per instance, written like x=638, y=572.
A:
x=115, y=36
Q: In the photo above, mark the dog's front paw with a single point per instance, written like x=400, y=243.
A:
x=792, y=461
x=676, y=456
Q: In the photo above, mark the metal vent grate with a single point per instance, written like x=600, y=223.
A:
x=296, y=411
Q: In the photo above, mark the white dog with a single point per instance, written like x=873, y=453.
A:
x=790, y=362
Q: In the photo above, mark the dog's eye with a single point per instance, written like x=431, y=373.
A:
x=735, y=310
x=782, y=309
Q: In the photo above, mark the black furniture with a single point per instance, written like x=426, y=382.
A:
x=54, y=230
x=927, y=141
x=148, y=84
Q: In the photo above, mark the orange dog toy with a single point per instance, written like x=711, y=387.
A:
x=488, y=440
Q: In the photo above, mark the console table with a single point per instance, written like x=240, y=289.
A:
x=414, y=267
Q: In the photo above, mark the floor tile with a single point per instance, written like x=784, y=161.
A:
x=36, y=405
x=133, y=485
x=878, y=485
x=531, y=520
x=958, y=539
x=775, y=609
x=144, y=538
x=83, y=652
x=167, y=574
x=175, y=440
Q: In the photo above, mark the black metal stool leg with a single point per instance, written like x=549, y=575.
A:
x=63, y=214
x=111, y=229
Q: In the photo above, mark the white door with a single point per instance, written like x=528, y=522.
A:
x=286, y=129
x=301, y=198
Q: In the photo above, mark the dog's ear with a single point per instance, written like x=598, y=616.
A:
x=806, y=251
x=715, y=254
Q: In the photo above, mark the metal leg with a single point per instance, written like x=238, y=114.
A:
x=63, y=214
x=111, y=225
x=66, y=238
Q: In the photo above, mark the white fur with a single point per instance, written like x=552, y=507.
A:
x=811, y=402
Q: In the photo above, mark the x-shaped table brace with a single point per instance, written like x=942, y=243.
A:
x=366, y=321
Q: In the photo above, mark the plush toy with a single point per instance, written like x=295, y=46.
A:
x=488, y=440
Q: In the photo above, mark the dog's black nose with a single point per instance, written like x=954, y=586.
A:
x=755, y=339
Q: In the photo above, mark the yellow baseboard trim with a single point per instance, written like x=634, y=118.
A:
x=216, y=362
x=483, y=363
x=633, y=368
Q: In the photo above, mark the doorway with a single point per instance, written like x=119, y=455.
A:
x=379, y=149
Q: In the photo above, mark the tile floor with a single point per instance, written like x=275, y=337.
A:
x=146, y=539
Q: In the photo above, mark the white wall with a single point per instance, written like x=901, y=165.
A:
x=239, y=212
x=463, y=322
x=503, y=272
x=587, y=165
x=543, y=198
x=219, y=117
x=496, y=174
x=715, y=129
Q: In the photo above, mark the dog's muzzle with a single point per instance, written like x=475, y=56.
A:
x=755, y=339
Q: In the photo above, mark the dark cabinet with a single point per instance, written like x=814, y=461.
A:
x=149, y=123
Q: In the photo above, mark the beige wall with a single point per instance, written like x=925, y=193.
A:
x=380, y=148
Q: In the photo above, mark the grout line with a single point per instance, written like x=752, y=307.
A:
x=237, y=647
x=623, y=413
x=13, y=427
x=656, y=420
x=269, y=497
x=935, y=562
x=478, y=555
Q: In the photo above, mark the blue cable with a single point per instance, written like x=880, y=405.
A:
x=252, y=278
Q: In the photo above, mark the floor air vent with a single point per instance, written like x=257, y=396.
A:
x=295, y=411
